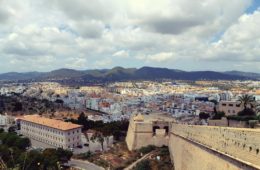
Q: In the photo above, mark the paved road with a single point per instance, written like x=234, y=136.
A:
x=130, y=167
x=84, y=165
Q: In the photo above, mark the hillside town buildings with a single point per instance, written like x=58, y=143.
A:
x=117, y=101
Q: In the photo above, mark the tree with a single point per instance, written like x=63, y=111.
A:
x=98, y=136
x=17, y=107
x=257, y=107
x=247, y=112
x=63, y=155
x=203, y=115
x=117, y=134
x=59, y=101
x=218, y=115
x=82, y=119
x=11, y=139
x=31, y=160
x=11, y=129
x=5, y=153
x=147, y=149
x=143, y=165
x=22, y=143
x=246, y=99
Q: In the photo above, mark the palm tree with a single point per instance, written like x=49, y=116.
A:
x=257, y=108
x=246, y=99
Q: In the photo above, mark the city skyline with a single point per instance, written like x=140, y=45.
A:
x=213, y=35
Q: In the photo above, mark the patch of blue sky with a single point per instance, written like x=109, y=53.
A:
x=254, y=6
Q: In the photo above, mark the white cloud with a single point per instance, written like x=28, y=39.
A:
x=103, y=63
x=160, y=57
x=103, y=33
x=121, y=53
x=240, y=42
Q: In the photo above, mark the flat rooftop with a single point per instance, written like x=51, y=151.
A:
x=155, y=117
x=53, y=123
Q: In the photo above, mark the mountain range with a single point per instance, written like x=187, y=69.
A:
x=70, y=76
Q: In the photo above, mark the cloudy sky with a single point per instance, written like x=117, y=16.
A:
x=43, y=35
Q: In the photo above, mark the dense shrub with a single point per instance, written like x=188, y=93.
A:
x=143, y=165
x=203, y=115
x=147, y=149
x=242, y=118
x=218, y=115
x=246, y=112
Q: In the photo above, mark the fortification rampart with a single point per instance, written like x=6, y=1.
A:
x=141, y=134
x=239, y=144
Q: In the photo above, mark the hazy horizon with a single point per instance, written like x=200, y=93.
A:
x=118, y=66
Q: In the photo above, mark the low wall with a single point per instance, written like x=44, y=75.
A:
x=238, y=144
x=238, y=124
x=228, y=123
x=218, y=122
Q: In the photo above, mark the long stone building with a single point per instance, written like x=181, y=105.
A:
x=50, y=131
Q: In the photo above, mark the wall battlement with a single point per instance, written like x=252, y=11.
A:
x=240, y=144
x=194, y=147
x=143, y=133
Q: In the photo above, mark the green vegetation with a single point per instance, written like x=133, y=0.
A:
x=246, y=112
x=14, y=154
x=13, y=140
x=242, y=118
x=143, y=165
x=117, y=128
x=84, y=156
x=147, y=149
x=99, y=137
x=218, y=115
x=246, y=100
x=203, y=115
x=28, y=105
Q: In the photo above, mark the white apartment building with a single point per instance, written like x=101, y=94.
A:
x=50, y=131
x=6, y=120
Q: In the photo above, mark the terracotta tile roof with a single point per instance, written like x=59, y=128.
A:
x=57, y=124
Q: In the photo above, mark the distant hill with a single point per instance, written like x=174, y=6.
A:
x=62, y=74
x=19, y=76
x=70, y=76
x=245, y=74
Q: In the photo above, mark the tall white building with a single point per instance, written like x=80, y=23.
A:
x=6, y=121
x=50, y=131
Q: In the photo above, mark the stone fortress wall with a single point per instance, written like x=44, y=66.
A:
x=194, y=147
x=205, y=147
x=141, y=134
x=190, y=156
